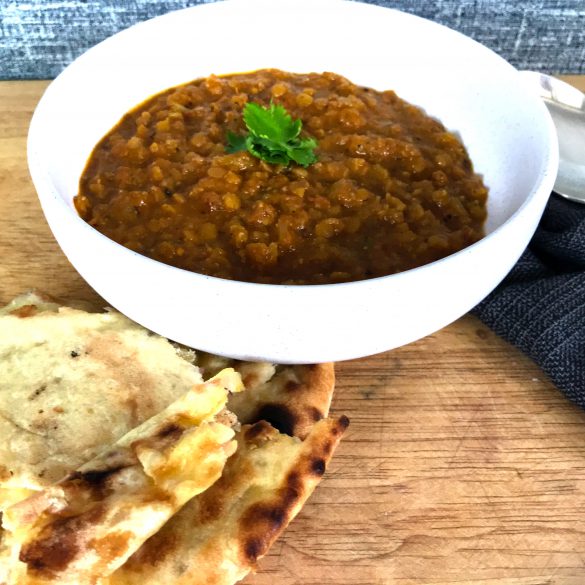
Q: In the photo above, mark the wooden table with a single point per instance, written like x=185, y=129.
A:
x=462, y=464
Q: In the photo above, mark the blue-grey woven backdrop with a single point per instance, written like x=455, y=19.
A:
x=39, y=38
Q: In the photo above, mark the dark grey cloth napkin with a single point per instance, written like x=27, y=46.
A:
x=540, y=306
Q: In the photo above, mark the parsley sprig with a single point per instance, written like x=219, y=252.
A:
x=273, y=136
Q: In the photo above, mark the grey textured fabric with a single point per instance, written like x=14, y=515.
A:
x=38, y=38
x=540, y=306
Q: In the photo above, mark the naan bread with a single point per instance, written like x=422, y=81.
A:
x=291, y=398
x=89, y=400
x=217, y=538
x=88, y=524
x=72, y=382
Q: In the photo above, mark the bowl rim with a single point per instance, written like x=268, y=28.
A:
x=49, y=194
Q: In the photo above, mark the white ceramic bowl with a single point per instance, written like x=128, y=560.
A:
x=507, y=131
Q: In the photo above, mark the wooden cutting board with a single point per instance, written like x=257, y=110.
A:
x=462, y=464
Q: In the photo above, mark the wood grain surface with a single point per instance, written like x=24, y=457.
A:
x=462, y=464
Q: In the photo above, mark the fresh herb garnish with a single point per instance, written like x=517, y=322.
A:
x=273, y=136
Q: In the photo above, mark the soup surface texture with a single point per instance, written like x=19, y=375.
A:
x=391, y=190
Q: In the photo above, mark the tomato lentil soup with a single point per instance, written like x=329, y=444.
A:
x=391, y=190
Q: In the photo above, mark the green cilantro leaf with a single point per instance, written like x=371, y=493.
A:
x=273, y=123
x=273, y=136
x=267, y=150
x=304, y=154
x=235, y=142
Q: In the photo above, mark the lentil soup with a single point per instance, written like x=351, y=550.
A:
x=391, y=190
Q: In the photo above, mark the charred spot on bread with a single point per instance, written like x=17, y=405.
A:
x=272, y=516
x=253, y=549
x=170, y=430
x=263, y=522
x=98, y=478
x=318, y=466
x=315, y=414
x=279, y=416
x=57, y=545
x=293, y=481
x=342, y=424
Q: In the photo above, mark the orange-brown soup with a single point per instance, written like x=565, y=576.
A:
x=392, y=188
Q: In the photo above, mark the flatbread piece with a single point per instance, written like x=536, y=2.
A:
x=72, y=382
x=89, y=523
